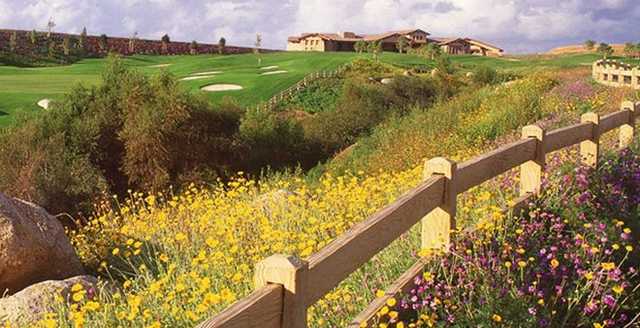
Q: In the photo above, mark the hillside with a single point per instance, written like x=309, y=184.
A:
x=581, y=49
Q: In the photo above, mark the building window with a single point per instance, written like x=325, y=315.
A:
x=627, y=80
x=615, y=78
x=605, y=77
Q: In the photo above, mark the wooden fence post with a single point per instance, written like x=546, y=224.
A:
x=531, y=171
x=628, y=130
x=437, y=225
x=590, y=149
x=292, y=273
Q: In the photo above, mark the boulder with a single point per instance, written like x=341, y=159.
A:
x=32, y=303
x=434, y=72
x=386, y=80
x=469, y=74
x=33, y=246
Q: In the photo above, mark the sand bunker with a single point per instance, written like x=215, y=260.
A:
x=160, y=65
x=268, y=67
x=44, y=103
x=221, y=87
x=206, y=73
x=189, y=78
x=274, y=72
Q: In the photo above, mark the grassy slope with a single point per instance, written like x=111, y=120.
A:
x=21, y=88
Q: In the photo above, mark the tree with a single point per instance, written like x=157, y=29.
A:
x=103, y=43
x=33, y=37
x=589, y=44
x=82, y=41
x=66, y=45
x=375, y=48
x=402, y=44
x=13, y=42
x=605, y=50
x=360, y=46
x=432, y=51
x=52, y=48
x=193, y=47
x=165, y=43
x=629, y=49
x=257, y=45
x=221, y=44
x=50, y=25
x=132, y=42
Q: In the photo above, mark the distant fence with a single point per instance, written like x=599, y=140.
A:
x=299, y=86
x=616, y=74
x=286, y=286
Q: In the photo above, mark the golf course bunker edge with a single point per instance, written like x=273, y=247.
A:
x=221, y=87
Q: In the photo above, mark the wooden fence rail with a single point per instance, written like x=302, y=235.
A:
x=299, y=86
x=286, y=286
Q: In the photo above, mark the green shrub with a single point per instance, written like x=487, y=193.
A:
x=484, y=75
x=129, y=132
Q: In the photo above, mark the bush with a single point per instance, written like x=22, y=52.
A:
x=484, y=75
x=474, y=118
x=130, y=132
x=363, y=106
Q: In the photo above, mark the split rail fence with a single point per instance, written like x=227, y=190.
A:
x=289, y=92
x=285, y=286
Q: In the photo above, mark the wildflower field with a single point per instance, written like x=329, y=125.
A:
x=174, y=259
x=571, y=260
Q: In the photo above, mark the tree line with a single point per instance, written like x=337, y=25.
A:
x=631, y=49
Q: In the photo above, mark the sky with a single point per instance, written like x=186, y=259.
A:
x=518, y=26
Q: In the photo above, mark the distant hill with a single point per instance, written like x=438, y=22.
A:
x=580, y=48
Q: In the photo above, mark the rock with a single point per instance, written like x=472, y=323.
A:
x=33, y=246
x=271, y=201
x=386, y=80
x=29, y=305
x=434, y=72
x=469, y=74
x=407, y=73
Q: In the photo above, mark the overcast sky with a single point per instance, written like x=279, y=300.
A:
x=516, y=25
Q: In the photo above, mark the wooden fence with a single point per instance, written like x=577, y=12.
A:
x=289, y=92
x=286, y=286
x=616, y=74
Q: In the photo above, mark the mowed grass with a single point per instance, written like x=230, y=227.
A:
x=22, y=88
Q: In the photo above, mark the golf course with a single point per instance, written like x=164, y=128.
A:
x=250, y=82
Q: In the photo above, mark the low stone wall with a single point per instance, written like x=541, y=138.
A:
x=616, y=74
x=114, y=44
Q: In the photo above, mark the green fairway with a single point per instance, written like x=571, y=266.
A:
x=22, y=88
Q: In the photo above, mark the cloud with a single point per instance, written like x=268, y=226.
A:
x=517, y=25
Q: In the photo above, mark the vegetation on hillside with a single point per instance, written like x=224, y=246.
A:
x=570, y=261
x=182, y=257
x=148, y=133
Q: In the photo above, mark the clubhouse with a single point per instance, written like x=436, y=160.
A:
x=416, y=38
